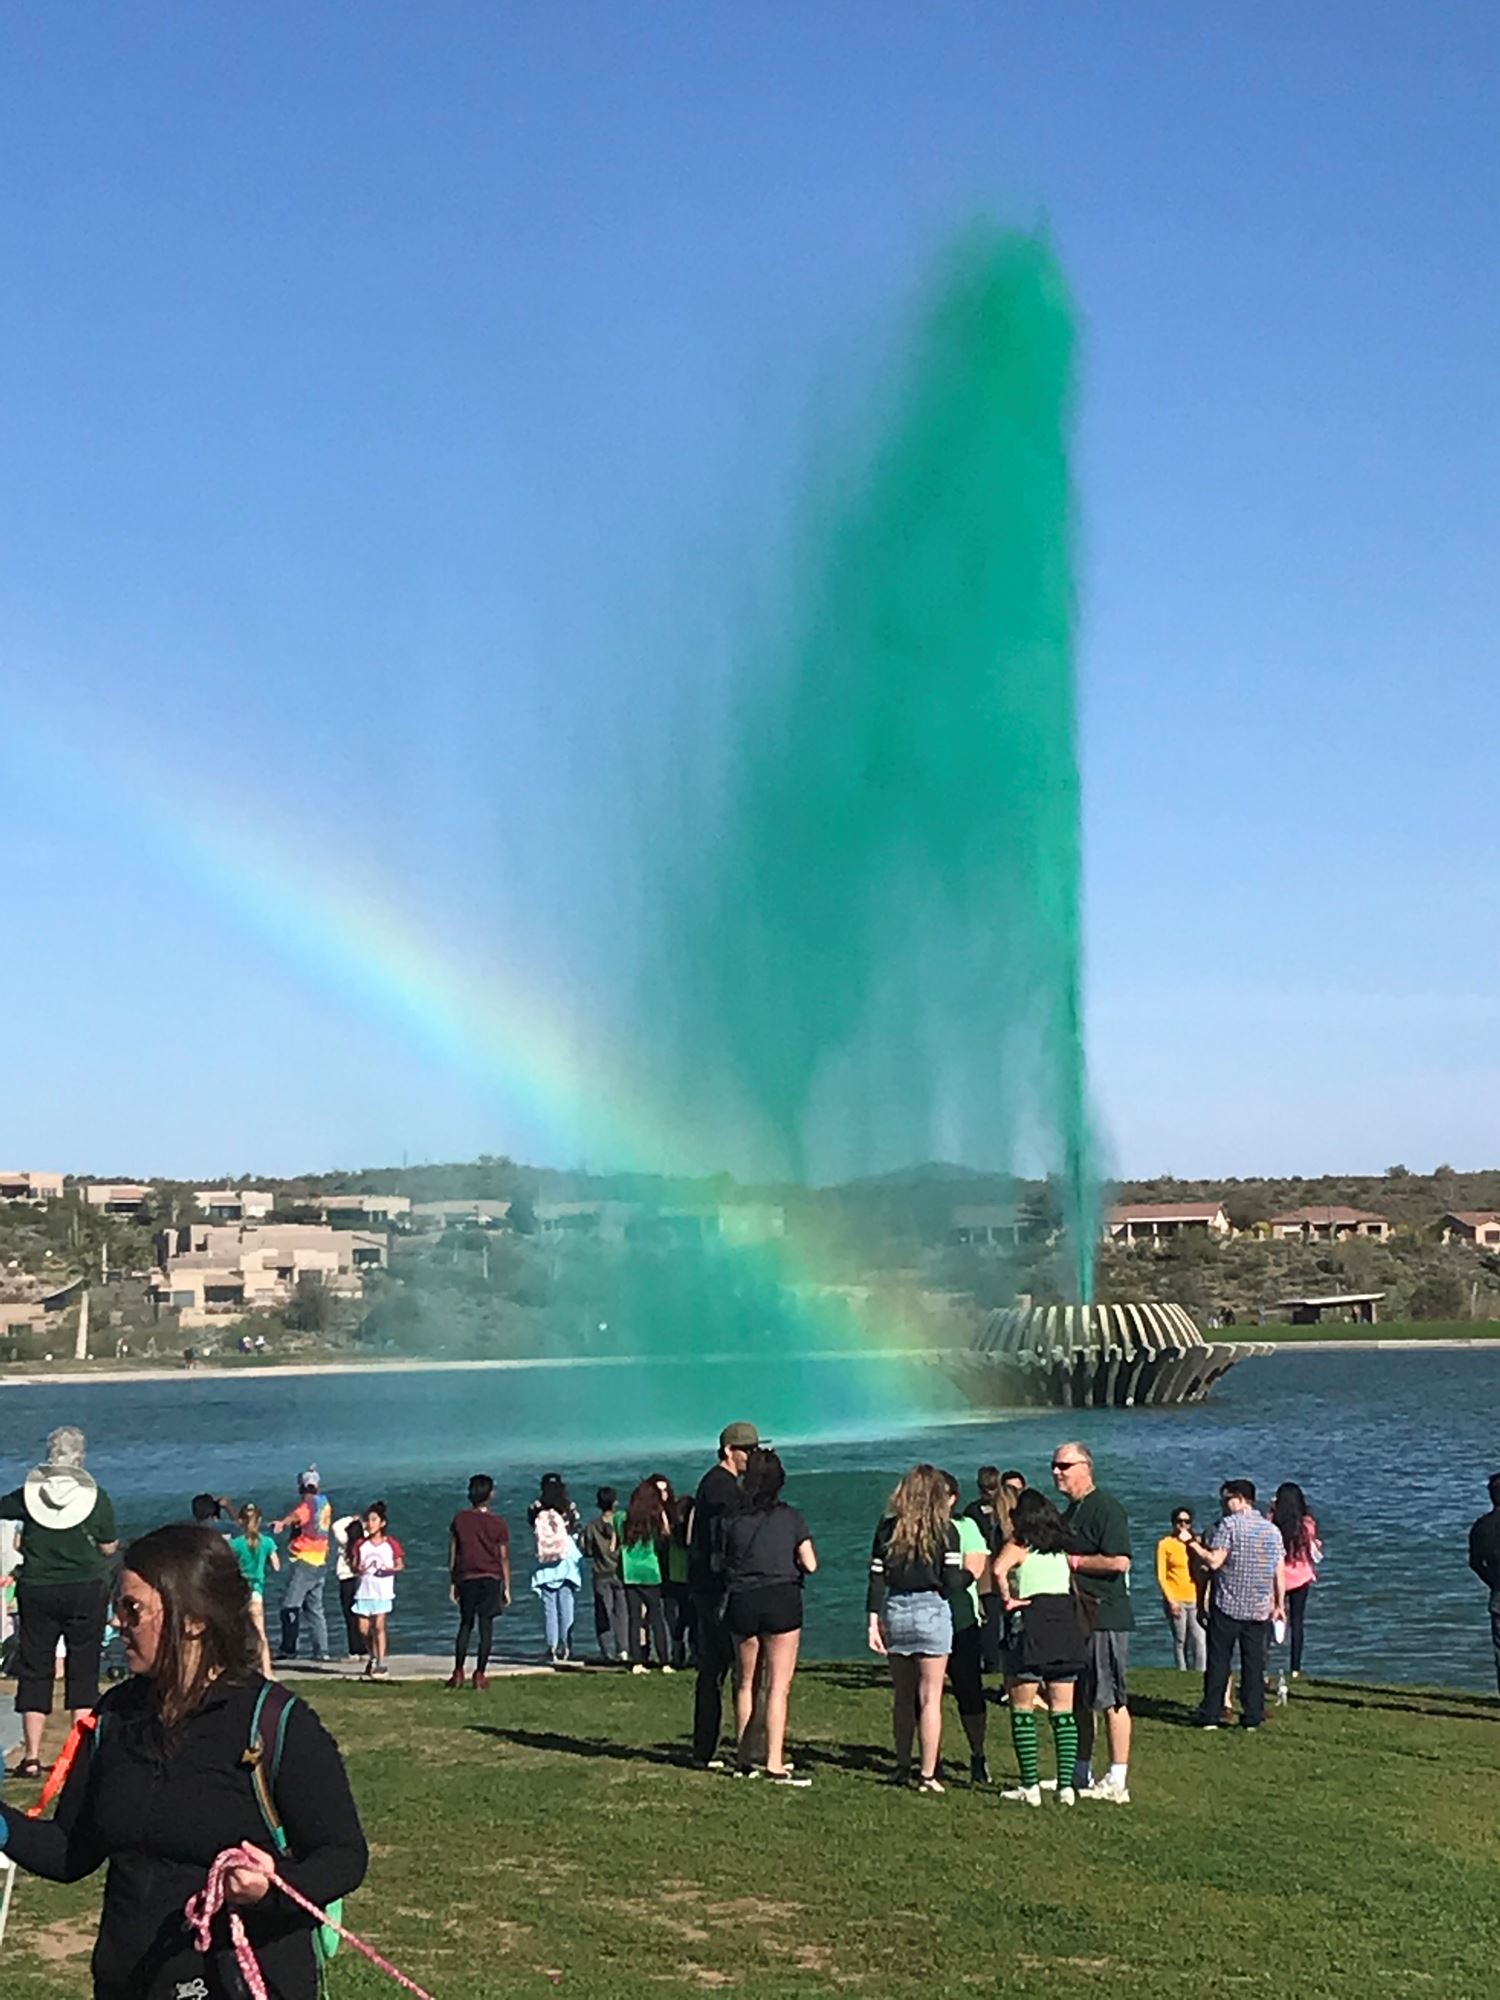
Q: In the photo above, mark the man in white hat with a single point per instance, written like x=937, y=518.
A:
x=62, y=1588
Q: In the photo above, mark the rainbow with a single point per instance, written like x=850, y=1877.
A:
x=352, y=935
x=356, y=939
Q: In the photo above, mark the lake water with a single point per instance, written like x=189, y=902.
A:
x=1392, y=1449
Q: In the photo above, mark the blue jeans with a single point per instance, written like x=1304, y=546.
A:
x=303, y=1603
x=558, y=1603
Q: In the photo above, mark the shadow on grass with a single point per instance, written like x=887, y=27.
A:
x=862, y=1758
x=1397, y=1701
x=585, y=1746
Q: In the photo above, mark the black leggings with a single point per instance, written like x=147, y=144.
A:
x=479, y=1600
x=966, y=1670
x=1296, y=1621
x=644, y=1606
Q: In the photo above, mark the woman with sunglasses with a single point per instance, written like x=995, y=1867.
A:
x=161, y=1785
x=1177, y=1579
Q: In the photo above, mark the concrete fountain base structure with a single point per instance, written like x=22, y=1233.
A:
x=1092, y=1357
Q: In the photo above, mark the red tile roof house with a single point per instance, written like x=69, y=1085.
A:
x=1479, y=1226
x=1331, y=1224
x=1151, y=1221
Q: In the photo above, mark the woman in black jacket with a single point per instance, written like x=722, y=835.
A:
x=162, y=1784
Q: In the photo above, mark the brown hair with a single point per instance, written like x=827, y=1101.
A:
x=645, y=1516
x=920, y=1511
x=200, y=1583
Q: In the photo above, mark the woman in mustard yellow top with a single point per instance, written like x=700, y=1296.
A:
x=1179, y=1594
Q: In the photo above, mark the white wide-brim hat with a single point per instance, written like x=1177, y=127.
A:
x=60, y=1496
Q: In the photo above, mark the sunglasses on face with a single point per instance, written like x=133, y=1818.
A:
x=1065, y=1464
x=128, y=1612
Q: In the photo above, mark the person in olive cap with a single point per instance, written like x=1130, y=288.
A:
x=62, y=1592
x=719, y=1495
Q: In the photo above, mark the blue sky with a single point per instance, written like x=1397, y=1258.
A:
x=366, y=370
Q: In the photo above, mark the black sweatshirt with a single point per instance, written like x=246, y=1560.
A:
x=160, y=1815
x=889, y=1578
x=1484, y=1548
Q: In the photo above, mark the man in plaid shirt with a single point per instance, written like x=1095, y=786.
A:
x=1248, y=1561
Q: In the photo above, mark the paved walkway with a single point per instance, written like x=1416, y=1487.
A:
x=404, y=1667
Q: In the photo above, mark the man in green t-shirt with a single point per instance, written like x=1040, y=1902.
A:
x=1100, y=1529
x=62, y=1589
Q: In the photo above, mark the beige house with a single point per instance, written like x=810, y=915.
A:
x=444, y=1214
x=1477, y=1226
x=29, y=1186
x=352, y=1210
x=117, y=1197
x=1333, y=1224
x=982, y=1223
x=220, y=1270
x=235, y=1204
x=20, y=1316
x=606, y=1220
x=1155, y=1221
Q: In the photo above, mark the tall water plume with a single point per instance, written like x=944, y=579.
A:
x=869, y=950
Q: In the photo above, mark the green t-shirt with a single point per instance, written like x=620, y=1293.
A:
x=640, y=1562
x=1100, y=1526
x=62, y=1555
x=971, y=1542
x=253, y=1561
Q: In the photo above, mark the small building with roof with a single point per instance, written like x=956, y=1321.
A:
x=1156, y=1221
x=1330, y=1223
x=1356, y=1307
x=29, y=1186
x=1478, y=1227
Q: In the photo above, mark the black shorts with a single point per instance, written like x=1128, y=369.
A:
x=480, y=1596
x=761, y=1613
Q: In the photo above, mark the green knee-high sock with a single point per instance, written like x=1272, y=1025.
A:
x=1065, y=1739
x=1023, y=1735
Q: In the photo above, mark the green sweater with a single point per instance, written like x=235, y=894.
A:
x=640, y=1562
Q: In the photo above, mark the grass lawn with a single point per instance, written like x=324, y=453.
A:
x=1408, y=1329
x=545, y=1837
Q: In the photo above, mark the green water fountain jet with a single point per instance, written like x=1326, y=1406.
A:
x=872, y=946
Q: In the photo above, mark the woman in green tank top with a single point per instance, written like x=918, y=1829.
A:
x=1035, y=1581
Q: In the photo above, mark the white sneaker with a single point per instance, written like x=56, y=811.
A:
x=1029, y=1795
x=1066, y=1796
x=638, y=1668
x=1107, y=1792
x=669, y=1670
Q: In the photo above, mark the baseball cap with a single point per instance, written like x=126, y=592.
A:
x=740, y=1437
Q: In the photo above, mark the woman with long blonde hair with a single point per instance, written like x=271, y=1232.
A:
x=915, y=1570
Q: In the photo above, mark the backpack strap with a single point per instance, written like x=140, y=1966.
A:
x=268, y=1721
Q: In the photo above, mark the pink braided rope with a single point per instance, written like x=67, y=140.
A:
x=206, y=1905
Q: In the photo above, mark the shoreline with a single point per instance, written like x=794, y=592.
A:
x=407, y=1364
x=416, y=1365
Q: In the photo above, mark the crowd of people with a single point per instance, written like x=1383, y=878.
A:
x=1019, y=1583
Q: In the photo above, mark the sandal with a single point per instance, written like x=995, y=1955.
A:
x=28, y=1768
x=932, y=1784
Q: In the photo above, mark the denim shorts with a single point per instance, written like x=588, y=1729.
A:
x=917, y=1621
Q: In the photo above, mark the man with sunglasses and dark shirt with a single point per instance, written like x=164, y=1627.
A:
x=1100, y=1562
